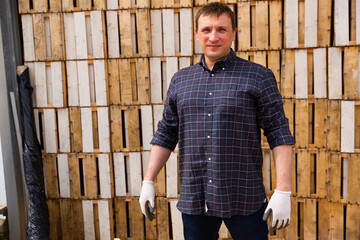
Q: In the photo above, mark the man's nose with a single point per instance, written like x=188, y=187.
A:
x=213, y=36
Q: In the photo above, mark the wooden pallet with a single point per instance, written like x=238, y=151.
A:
x=42, y=37
x=307, y=23
x=259, y=25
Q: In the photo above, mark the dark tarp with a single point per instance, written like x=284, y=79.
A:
x=38, y=226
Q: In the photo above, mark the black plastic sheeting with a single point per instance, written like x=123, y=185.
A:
x=38, y=226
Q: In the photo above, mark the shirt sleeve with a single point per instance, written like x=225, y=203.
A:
x=270, y=113
x=167, y=131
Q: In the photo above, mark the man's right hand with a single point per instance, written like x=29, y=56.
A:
x=147, y=194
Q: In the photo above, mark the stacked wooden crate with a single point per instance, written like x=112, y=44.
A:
x=100, y=70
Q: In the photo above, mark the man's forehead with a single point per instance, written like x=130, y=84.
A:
x=214, y=18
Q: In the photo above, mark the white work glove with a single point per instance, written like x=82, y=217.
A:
x=280, y=207
x=147, y=196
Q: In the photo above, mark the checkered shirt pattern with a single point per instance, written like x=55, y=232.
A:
x=215, y=117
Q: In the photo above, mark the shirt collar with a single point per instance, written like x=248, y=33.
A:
x=219, y=64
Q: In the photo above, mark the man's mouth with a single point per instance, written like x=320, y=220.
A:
x=213, y=46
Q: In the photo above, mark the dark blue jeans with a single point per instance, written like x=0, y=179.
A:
x=202, y=227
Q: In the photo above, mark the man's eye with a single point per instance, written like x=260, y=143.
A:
x=222, y=30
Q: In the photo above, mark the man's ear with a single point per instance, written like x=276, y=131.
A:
x=234, y=34
x=197, y=39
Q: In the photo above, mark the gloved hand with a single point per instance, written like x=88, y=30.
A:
x=280, y=207
x=147, y=195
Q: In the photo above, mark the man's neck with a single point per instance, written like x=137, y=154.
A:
x=211, y=62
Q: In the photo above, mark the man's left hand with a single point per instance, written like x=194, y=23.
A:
x=280, y=207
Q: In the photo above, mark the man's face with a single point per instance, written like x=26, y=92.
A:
x=215, y=36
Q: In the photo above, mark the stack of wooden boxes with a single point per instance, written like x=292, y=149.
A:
x=101, y=68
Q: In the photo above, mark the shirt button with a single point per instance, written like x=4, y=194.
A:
x=210, y=181
x=209, y=159
x=223, y=69
x=212, y=74
x=210, y=93
x=209, y=115
x=208, y=136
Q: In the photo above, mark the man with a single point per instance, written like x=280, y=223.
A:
x=214, y=110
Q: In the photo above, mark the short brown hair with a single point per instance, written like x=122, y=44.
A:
x=215, y=8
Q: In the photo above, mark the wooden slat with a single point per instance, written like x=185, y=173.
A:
x=100, y=82
x=162, y=216
x=324, y=22
x=70, y=39
x=143, y=31
x=287, y=74
x=169, y=32
x=262, y=25
x=54, y=219
x=56, y=33
x=334, y=177
x=337, y=221
x=291, y=231
x=176, y=221
x=125, y=36
x=121, y=223
x=91, y=177
x=323, y=219
x=156, y=80
x=40, y=84
x=347, y=126
x=135, y=173
x=112, y=34
x=88, y=213
x=105, y=220
x=133, y=128
x=351, y=73
x=156, y=33
x=335, y=74
x=28, y=37
x=291, y=23
x=334, y=129
x=84, y=83
x=136, y=219
x=311, y=15
x=186, y=32
x=120, y=177
x=353, y=178
x=64, y=178
x=105, y=176
x=301, y=71
x=301, y=123
x=104, y=130
x=75, y=129
x=276, y=21
x=341, y=22
x=63, y=126
x=57, y=79
x=320, y=124
x=39, y=37
x=172, y=176
x=320, y=73
x=97, y=33
x=321, y=172
x=357, y=5
x=116, y=128
x=114, y=82
x=352, y=221
x=303, y=173
x=80, y=35
x=74, y=173
x=87, y=130
x=146, y=126
x=171, y=69
x=244, y=21
x=50, y=131
x=310, y=219
x=51, y=176
x=142, y=80
x=125, y=81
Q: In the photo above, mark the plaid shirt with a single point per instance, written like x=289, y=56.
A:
x=216, y=117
